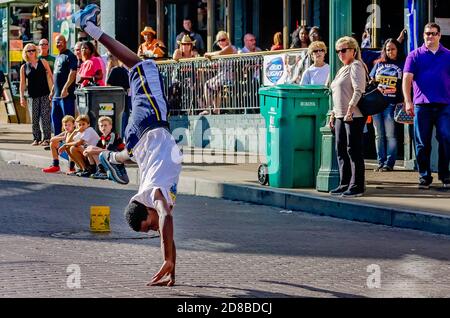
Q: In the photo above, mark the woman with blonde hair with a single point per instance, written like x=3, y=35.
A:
x=318, y=73
x=347, y=120
x=214, y=85
x=277, y=42
x=37, y=76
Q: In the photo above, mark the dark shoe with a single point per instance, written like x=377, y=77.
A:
x=99, y=175
x=424, y=183
x=386, y=169
x=446, y=183
x=73, y=173
x=353, y=193
x=339, y=190
x=116, y=172
x=378, y=169
x=84, y=174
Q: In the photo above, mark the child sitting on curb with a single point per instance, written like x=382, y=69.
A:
x=85, y=137
x=108, y=141
x=57, y=142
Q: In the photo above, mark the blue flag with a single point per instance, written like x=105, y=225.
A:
x=412, y=25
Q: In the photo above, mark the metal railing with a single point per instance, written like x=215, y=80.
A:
x=227, y=83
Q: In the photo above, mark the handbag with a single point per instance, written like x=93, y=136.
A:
x=372, y=101
x=401, y=116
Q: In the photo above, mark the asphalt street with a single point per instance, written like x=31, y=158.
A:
x=224, y=248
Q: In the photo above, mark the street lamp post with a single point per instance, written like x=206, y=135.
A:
x=340, y=25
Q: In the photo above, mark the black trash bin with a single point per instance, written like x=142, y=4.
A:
x=98, y=101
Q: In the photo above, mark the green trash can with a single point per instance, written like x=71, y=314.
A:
x=294, y=115
x=98, y=101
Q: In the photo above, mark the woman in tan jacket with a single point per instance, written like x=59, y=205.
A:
x=347, y=120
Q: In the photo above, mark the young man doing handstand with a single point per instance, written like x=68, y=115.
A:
x=148, y=143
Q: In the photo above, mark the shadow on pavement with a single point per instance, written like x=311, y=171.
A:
x=211, y=225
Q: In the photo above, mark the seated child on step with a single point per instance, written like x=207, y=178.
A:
x=85, y=137
x=108, y=141
x=57, y=142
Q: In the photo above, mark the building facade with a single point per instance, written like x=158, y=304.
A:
x=24, y=21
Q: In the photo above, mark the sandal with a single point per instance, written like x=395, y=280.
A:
x=35, y=143
x=45, y=143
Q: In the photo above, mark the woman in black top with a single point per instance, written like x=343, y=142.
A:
x=37, y=76
x=117, y=75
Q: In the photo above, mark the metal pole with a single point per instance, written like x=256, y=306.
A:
x=230, y=19
x=210, y=25
x=430, y=11
x=160, y=20
x=286, y=5
x=340, y=25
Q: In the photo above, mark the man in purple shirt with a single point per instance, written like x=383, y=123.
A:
x=428, y=69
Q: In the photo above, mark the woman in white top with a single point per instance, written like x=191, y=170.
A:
x=318, y=73
x=346, y=118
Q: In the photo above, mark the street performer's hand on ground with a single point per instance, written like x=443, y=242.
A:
x=167, y=269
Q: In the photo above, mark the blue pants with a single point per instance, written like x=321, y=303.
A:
x=60, y=108
x=385, y=139
x=428, y=116
x=126, y=115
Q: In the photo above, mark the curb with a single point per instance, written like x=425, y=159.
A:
x=338, y=208
x=333, y=207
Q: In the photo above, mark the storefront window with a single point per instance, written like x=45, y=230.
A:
x=28, y=24
x=4, y=39
x=61, y=11
x=221, y=15
x=61, y=24
x=19, y=35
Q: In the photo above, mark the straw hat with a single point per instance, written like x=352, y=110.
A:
x=148, y=30
x=186, y=39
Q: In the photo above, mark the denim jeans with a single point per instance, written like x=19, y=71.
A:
x=385, y=139
x=427, y=116
x=60, y=108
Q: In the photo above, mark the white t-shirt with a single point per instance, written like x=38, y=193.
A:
x=159, y=160
x=89, y=136
x=316, y=75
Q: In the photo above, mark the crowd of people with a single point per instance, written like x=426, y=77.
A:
x=53, y=80
x=148, y=141
x=427, y=69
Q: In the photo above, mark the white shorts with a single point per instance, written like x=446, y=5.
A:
x=159, y=160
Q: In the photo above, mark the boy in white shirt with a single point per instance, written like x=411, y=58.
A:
x=85, y=137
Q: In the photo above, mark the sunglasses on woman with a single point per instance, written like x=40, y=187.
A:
x=31, y=51
x=317, y=51
x=343, y=51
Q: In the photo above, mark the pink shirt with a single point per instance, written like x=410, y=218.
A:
x=89, y=68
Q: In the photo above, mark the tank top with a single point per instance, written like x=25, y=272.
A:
x=37, y=80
